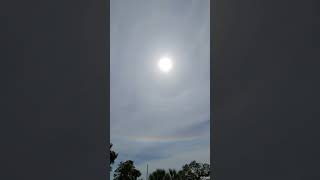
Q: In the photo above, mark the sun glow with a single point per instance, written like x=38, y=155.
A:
x=165, y=64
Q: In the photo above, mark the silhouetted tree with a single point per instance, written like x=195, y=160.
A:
x=174, y=175
x=161, y=174
x=167, y=176
x=126, y=171
x=113, y=156
x=194, y=171
x=205, y=169
x=158, y=174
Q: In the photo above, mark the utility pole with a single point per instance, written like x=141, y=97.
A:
x=147, y=173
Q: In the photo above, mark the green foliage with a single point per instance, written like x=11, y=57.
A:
x=159, y=174
x=191, y=171
x=174, y=174
x=167, y=177
x=194, y=171
x=126, y=171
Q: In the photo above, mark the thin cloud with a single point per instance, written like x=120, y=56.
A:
x=160, y=119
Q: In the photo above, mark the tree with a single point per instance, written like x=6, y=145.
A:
x=161, y=174
x=167, y=177
x=174, y=175
x=205, y=169
x=113, y=156
x=126, y=171
x=194, y=171
x=191, y=171
x=158, y=174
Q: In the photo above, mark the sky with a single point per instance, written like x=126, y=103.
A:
x=160, y=119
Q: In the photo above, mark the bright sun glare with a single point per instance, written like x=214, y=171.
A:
x=165, y=64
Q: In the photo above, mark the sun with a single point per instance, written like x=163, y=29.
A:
x=165, y=64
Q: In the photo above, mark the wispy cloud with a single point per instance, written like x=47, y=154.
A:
x=163, y=120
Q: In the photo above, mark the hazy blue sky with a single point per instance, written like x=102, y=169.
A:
x=160, y=118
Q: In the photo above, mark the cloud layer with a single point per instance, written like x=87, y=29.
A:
x=162, y=120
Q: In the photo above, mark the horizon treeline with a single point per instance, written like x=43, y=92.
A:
x=127, y=171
